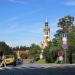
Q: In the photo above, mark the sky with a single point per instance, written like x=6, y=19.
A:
x=22, y=21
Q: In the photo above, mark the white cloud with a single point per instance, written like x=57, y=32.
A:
x=7, y=20
x=11, y=19
x=36, y=11
x=70, y=3
x=18, y=1
x=8, y=25
x=14, y=43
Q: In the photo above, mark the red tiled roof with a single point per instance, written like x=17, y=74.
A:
x=22, y=52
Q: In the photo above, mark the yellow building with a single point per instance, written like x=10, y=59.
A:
x=46, y=37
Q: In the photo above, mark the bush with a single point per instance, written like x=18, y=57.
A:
x=24, y=56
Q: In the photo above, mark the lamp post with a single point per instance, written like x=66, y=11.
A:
x=65, y=55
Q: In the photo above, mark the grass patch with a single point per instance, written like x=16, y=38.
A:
x=41, y=61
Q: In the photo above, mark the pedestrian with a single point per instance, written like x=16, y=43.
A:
x=3, y=63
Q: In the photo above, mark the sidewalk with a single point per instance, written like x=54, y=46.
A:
x=47, y=65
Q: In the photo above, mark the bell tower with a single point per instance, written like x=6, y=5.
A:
x=46, y=32
x=46, y=37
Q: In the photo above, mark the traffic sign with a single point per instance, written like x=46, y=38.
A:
x=61, y=58
x=65, y=46
x=60, y=53
x=64, y=39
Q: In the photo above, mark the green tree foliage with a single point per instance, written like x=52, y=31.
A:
x=50, y=53
x=21, y=48
x=24, y=56
x=67, y=25
x=5, y=48
x=34, y=51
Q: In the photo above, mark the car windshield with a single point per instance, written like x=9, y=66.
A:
x=9, y=56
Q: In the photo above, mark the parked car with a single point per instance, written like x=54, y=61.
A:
x=19, y=61
x=10, y=59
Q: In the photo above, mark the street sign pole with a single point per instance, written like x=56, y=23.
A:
x=65, y=56
x=65, y=45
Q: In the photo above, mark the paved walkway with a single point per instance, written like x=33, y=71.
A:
x=47, y=65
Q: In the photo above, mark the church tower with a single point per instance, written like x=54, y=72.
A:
x=46, y=38
x=46, y=32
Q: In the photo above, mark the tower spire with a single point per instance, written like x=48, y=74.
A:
x=46, y=38
x=46, y=19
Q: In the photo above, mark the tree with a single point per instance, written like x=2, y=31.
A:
x=24, y=56
x=5, y=48
x=67, y=25
x=71, y=44
x=21, y=48
x=50, y=52
x=35, y=51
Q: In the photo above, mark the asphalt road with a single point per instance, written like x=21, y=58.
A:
x=34, y=69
